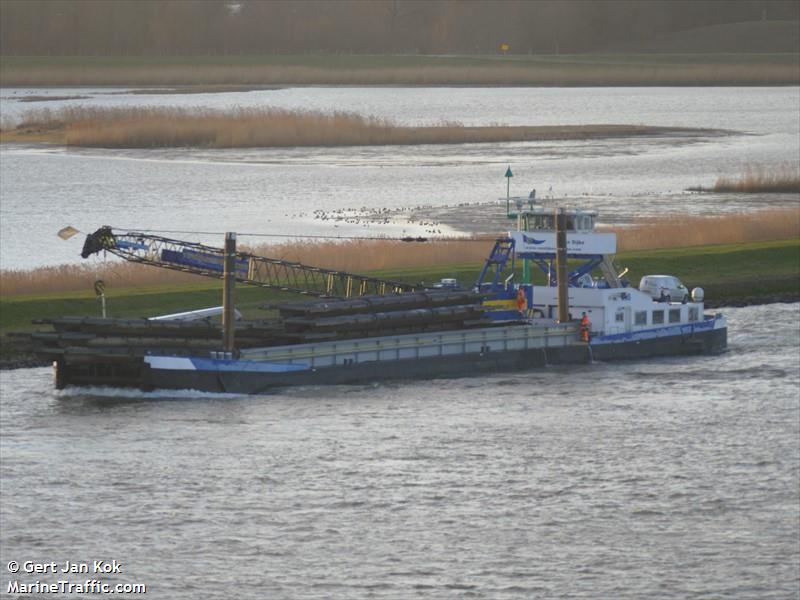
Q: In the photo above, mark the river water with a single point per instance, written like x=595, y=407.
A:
x=673, y=478
x=277, y=190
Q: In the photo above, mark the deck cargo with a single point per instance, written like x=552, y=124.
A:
x=362, y=329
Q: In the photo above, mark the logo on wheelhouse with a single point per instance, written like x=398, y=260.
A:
x=530, y=240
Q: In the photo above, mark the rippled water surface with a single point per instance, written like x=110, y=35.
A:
x=276, y=190
x=671, y=478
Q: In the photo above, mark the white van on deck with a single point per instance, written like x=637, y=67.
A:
x=664, y=288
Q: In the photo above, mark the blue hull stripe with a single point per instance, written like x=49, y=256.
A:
x=649, y=334
x=194, y=363
x=246, y=366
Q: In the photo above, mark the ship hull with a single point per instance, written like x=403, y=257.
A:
x=448, y=366
x=231, y=380
x=712, y=341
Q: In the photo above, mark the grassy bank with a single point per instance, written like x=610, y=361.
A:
x=243, y=128
x=363, y=256
x=726, y=272
x=561, y=70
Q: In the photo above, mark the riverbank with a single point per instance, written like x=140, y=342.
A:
x=621, y=69
x=149, y=127
x=731, y=275
x=481, y=222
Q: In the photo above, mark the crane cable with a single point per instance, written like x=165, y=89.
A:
x=313, y=236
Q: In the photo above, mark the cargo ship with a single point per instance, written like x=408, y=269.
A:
x=362, y=329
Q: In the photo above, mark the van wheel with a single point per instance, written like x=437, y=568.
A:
x=685, y=299
x=667, y=298
x=662, y=297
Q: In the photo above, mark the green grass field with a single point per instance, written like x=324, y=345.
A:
x=366, y=69
x=373, y=61
x=725, y=272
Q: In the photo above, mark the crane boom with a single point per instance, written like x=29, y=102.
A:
x=272, y=273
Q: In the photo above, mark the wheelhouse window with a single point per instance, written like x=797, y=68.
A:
x=574, y=222
x=543, y=222
x=694, y=313
x=658, y=317
x=640, y=317
x=583, y=222
x=620, y=317
x=674, y=315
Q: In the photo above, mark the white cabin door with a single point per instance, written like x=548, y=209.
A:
x=621, y=320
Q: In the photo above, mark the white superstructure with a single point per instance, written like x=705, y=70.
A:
x=613, y=307
x=617, y=310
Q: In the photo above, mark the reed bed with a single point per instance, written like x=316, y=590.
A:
x=670, y=232
x=81, y=278
x=524, y=73
x=149, y=127
x=380, y=255
x=354, y=256
x=760, y=179
x=388, y=255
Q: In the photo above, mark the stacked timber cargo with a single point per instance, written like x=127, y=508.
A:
x=94, y=351
x=371, y=316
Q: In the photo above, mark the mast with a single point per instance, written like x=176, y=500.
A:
x=562, y=277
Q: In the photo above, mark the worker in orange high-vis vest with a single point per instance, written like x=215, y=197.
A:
x=522, y=302
x=585, y=327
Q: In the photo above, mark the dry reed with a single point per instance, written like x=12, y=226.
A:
x=556, y=74
x=760, y=179
x=377, y=255
x=147, y=127
x=370, y=255
x=76, y=278
x=671, y=232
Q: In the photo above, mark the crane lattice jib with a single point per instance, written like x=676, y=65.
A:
x=271, y=273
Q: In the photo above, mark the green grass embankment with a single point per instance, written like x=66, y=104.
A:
x=17, y=312
x=730, y=275
x=364, y=69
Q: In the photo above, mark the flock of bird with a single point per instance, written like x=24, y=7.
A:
x=417, y=216
x=366, y=217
